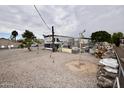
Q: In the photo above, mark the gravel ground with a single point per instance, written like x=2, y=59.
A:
x=20, y=68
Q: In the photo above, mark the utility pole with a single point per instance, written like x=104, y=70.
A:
x=81, y=37
x=53, y=40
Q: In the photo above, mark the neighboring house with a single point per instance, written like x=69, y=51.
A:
x=81, y=42
x=76, y=42
x=6, y=43
x=85, y=41
x=60, y=41
x=64, y=41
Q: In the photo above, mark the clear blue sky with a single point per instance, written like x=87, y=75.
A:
x=7, y=35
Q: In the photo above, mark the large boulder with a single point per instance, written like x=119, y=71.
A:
x=106, y=74
x=110, y=62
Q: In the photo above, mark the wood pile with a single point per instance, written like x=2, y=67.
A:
x=100, y=51
x=104, y=51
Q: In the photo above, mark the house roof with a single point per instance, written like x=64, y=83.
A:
x=57, y=35
x=64, y=36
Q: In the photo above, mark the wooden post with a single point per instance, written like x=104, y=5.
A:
x=53, y=40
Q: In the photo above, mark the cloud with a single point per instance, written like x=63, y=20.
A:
x=67, y=20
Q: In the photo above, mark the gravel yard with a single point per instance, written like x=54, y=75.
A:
x=20, y=68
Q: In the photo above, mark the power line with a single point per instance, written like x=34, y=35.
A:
x=42, y=18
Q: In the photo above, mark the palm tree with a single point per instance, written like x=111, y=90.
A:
x=14, y=34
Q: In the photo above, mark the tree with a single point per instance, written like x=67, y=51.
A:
x=28, y=35
x=37, y=41
x=101, y=36
x=14, y=34
x=116, y=38
x=28, y=39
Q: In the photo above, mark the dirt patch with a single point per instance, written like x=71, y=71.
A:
x=86, y=67
x=23, y=69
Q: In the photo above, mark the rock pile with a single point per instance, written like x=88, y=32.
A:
x=107, y=72
x=109, y=54
x=108, y=65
